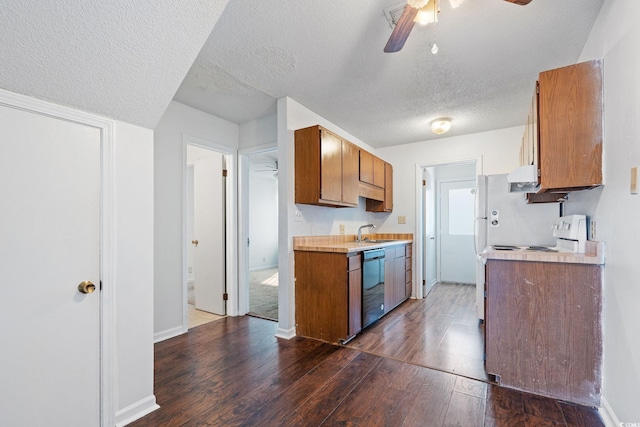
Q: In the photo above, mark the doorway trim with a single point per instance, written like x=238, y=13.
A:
x=243, y=226
x=418, y=245
x=231, y=267
x=108, y=390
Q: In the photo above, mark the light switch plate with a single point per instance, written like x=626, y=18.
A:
x=298, y=216
x=341, y=228
x=402, y=219
x=633, y=188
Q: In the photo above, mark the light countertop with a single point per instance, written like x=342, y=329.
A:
x=346, y=243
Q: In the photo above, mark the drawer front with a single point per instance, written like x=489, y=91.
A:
x=407, y=276
x=400, y=252
x=407, y=264
x=408, y=251
x=354, y=262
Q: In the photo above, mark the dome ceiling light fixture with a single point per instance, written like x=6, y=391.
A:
x=440, y=126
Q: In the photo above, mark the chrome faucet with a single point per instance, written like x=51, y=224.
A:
x=359, y=238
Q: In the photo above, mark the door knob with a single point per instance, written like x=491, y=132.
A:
x=195, y=242
x=86, y=287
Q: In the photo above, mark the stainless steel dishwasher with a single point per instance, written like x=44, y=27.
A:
x=372, y=286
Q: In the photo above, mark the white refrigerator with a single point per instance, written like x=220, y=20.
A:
x=505, y=218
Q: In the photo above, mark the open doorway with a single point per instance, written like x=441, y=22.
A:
x=262, y=238
x=206, y=223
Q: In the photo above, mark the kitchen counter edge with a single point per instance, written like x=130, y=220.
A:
x=594, y=255
x=349, y=247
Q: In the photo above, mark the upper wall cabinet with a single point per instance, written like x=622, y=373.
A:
x=386, y=204
x=326, y=169
x=563, y=136
x=371, y=169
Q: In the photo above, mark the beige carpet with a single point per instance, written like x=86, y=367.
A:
x=263, y=293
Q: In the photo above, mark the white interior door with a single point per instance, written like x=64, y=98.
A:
x=209, y=231
x=49, y=243
x=457, y=254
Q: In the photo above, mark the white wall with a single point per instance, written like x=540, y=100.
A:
x=258, y=132
x=498, y=152
x=616, y=38
x=133, y=155
x=263, y=221
x=179, y=120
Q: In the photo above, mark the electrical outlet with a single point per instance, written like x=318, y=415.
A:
x=402, y=219
x=341, y=228
x=298, y=217
x=592, y=230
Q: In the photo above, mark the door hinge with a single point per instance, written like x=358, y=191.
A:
x=225, y=297
x=224, y=173
x=424, y=282
x=100, y=284
x=424, y=182
x=537, y=88
x=248, y=242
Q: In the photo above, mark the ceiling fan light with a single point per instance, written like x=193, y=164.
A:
x=440, y=126
x=418, y=4
x=425, y=16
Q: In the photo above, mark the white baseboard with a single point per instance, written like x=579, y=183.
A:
x=136, y=411
x=169, y=333
x=287, y=334
x=607, y=414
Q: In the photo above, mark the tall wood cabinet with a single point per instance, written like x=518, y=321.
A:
x=563, y=135
x=543, y=328
x=326, y=169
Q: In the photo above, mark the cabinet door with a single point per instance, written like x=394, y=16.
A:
x=570, y=114
x=350, y=191
x=550, y=313
x=330, y=166
x=378, y=172
x=355, y=301
x=366, y=167
x=388, y=187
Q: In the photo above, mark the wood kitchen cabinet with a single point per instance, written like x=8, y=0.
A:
x=385, y=205
x=395, y=276
x=326, y=169
x=328, y=295
x=371, y=169
x=563, y=135
x=543, y=328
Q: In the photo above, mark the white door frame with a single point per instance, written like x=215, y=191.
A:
x=231, y=156
x=243, y=226
x=418, y=236
x=108, y=390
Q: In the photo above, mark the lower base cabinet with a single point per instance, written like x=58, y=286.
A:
x=328, y=289
x=543, y=328
x=328, y=295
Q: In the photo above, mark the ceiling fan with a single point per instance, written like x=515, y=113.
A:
x=408, y=19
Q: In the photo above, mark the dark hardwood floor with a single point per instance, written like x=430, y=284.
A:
x=234, y=372
x=441, y=331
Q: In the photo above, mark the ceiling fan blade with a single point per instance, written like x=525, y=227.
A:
x=520, y=2
x=402, y=30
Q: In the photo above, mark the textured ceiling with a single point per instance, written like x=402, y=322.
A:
x=328, y=56
x=123, y=59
